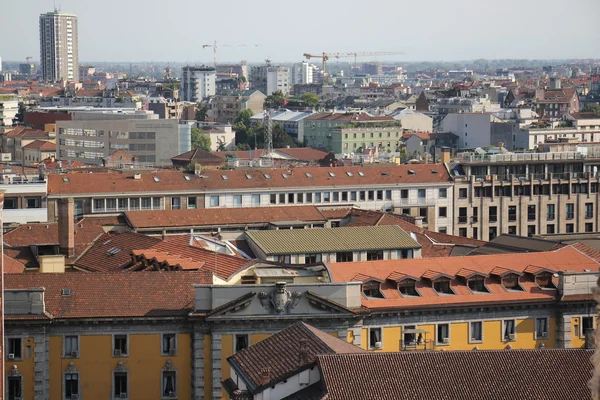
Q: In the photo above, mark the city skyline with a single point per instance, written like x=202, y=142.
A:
x=450, y=32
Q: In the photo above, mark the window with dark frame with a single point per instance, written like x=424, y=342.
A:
x=241, y=342
x=374, y=255
x=541, y=328
x=169, y=344
x=71, y=385
x=120, y=384
x=477, y=284
x=443, y=334
x=476, y=331
x=442, y=285
x=120, y=345
x=169, y=383
x=374, y=338
x=408, y=287
x=14, y=387
x=15, y=346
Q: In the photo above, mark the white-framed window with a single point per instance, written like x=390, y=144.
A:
x=192, y=203
x=71, y=346
x=475, y=331
x=255, y=200
x=509, y=330
x=120, y=345
x=541, y=328
x=214, y=201
x=237, y=200
x=168, y=344
x=175, y=203
x=442, y=334
x=14, y=348
x=376, y=338
x=241, y=342
x=120, y=382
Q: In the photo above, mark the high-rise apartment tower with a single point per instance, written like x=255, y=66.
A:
x=59, y=55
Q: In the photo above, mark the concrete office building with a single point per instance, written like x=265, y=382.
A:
x=59, y=54
x=198, y=83
x=152, y=141
x=278, y=80
x=302, y=74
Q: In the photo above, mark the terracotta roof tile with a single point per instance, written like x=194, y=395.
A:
x=563, y=259
x=281, y=354
x=111, y=252
x=41, y=145
x=104, y=295
x=549, y=374
x=222, y=216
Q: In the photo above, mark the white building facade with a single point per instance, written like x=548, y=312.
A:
x=59, y=54
x=198, y=83
x=473, y=129
x=278, y=79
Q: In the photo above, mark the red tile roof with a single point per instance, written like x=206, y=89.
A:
x=116, y=182
x=221, y=216
x=281, y=354
x=110, y=295
x=111, y=252
x=563, y=259
x=41, y=145
x=549, y=374
x=348, y=117
x=304, y=153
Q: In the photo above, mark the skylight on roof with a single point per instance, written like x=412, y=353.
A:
x=187, y=177
x=308, y=175
x=434, y=171
x=285, y=176
x=412, y=171
x=349, y=173
x=248, y=176
x=65, y=179
x=332, y=174
x=156, y=178
x=361, y=173
x=225, y=177
x=267, y=176
x=113, y=251
x=384, y=173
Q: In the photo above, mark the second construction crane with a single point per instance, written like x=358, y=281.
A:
x=214, y=47
x=355, y=54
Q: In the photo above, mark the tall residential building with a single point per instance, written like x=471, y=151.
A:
x=198, y=83
x=302, y=73
x=278, y=80
x=59, y=55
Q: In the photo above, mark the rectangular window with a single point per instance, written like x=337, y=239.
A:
x=169, y=344
x=344, y=256
x=388, y=194
x=375, y=339
x=531, y=213
x=353, y=196
x=14, y=389
x=512, y=230
x=237, y=200
x=408, y=288
x=120, y=345
x=191, y=203
x=570, y=228
x=550, y=228
x=273, y=198
x=442, y=334
x=175, y=203
x=214, y=201
x=462, y=215
x=443, y=193
x=530, y=230
x=570, y=211
x=362, y=194
x=317, y=197
x=404, y=194
x=291, y=198
x=312, y=258
x=512, y=213
x=281, y=198
x=255, y=200
x=550, y=212
x=475, y=332
x=422, y=193
x=33, y=202
x=541, y=328
x=589, y=210
x=155, y=203
x=98, y=205
x=587, y=326
x=442, y=286
x=309, y=197
x=146, y=203
x=492, y=232
x=15, y=348
x=326, y=197
x=71, y=346
x=509, y=330
x=462, y=193
x=380, y=195
x=475, y=217
x=462, y=232
x=371, y=194
x=123, y=204
x=475, y=233
x=169, y=384
x=71, y=386
x=477, y=285
x=493, y=214
x=10, y=203
x=344, y=196
x=442, y=212
x=374, y=255
x=120, y=385
x=241, y=342
x=589, y=227
x=336, y=197
x=423, y=214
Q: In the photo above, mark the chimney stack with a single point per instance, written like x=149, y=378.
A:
x=265, y=376
x=66, y=226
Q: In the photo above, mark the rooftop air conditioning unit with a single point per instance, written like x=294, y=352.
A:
x=378, y=345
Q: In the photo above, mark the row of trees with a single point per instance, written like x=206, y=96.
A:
x=249, y=137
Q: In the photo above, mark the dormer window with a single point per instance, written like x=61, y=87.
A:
x=408, y=287
x=442, y=286
x=544, y=280
x=372, y=290
x=477, y=284
x=511, y=282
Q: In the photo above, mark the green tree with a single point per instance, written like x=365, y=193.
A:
x=241, y=147
x=201, y=113
x=221, y=145
x=275, y=100
x=200, y=140
x=593, y=108
x=244, y=132
x=281, y=138
x=310, y=99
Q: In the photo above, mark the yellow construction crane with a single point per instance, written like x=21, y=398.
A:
x=355, y=54
x=214, y=46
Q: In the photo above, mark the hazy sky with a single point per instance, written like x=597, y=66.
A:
x=175, y=30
